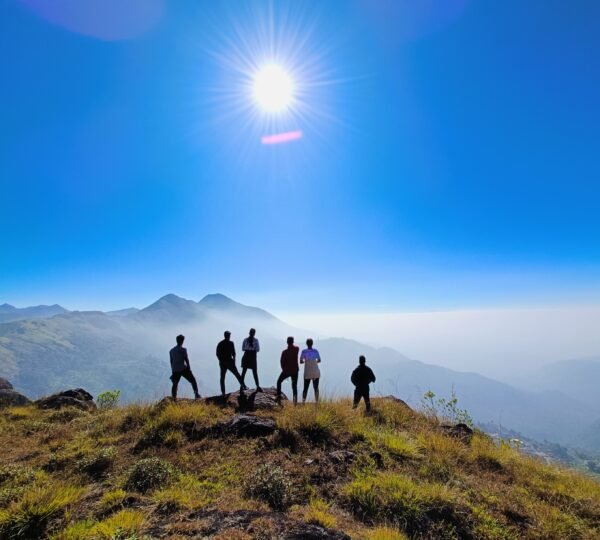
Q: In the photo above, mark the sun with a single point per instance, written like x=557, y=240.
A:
x=273, y=88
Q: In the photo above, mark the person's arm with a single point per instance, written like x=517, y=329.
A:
x=318, y=358
x=353, y=378
x=233, y=350
x=281, y=360
x=257, y=345
x=171, y=359
x=245, y=345
x=302, y=357
x=186, y=358
x=372, y=376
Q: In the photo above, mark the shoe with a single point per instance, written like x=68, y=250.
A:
x=245, y=388
x=259, y=389
x=197, y=396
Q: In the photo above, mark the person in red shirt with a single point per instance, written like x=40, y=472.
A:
x=289, y=368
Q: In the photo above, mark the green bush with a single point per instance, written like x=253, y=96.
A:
x=108, y=399
x=270, y=484
x=150, y=473
x=97, y=463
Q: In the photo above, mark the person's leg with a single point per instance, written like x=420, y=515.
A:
x=255, y=373
x=281, y=378
x=175, y=379
x=244, y=370
x=189, y=376
x=316, y=389
x=295, y=388
x=233, y=368
x=223, y=368
x=305, y=389
x=367, y=398
x=356, y=398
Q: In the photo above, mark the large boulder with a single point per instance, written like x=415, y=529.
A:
x=460, y=431
x=11, y=398
x=249, y=400
x=77, y=397
x=245, y=425
x=5, y=385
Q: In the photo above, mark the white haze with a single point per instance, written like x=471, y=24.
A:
x=501, y=343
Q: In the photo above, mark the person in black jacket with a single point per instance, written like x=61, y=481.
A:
x=226, y=356
x=362, y=376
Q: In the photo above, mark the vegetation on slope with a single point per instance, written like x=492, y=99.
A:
x=146, y=471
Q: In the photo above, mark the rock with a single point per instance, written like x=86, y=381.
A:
x=11, y=398
x=245, y=425
x=5, y=385
x=78, y=398
x=394, y=399
x=249, y=400
x=307, y=531
x=458, y=431
x=378, y=459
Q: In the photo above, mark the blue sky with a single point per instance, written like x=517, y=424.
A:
x=450, y=156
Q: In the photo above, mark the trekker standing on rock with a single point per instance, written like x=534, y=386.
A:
x=361, y=378
x=289, y=368
x=226, y=356
x=310, y=358
x=250, y=346
x=180, y=366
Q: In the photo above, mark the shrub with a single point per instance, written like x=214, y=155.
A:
x=442, y=409
x=150, y=473
x=28, y=516
x=112, y=499
x=187, y=493
x=108, y=399
x=270, y=484
x=319, y=513
x=97, y=463
x=124, y=525
x=386, y=533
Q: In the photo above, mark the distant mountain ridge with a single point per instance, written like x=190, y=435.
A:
x=128, y=350
x=9, y=313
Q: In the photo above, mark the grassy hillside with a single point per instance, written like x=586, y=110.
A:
x=160, y=470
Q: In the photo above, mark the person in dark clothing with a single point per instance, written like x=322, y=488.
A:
x=361, y=378
x=226, y=356
x=250, y=346
x=180, y=367
x=289, y=368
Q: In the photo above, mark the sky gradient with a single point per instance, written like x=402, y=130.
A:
x=449, y=157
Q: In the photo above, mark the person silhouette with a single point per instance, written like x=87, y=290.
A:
x=289, y=368
x=250, y=346
x=310, y=358
x=226, y=356
x=180, y=367
x=362, y=376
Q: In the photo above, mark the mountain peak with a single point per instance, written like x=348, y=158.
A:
x=169, y=300
x=217, y=300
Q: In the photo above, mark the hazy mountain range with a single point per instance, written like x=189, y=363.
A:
x=42, y=352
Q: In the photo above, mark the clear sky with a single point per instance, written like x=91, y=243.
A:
x=450, y=155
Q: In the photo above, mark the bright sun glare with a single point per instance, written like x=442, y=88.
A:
x=273, y=88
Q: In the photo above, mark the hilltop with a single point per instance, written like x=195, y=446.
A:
x=202, y=470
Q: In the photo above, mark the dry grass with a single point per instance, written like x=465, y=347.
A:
x=64, y=474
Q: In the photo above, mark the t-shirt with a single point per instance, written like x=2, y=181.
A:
x=226, y=351
x=311, y=368
x=179, y=358
x=362, y=376
x=289, y=360
x=254, y=347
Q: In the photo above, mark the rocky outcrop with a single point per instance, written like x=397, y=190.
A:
x=77, y=397
x=245, y=425
x=9, y=397
x=393, y=399
x=249, y=400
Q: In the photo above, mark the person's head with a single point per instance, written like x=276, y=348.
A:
x=180, y=339
x=362, y=360
x=227, y=335
x=290, y=341
x=309, y=343
x=252, y=332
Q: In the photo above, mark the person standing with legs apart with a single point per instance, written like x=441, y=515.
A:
x=289, y=368
x=226, y=356
x=250, y=346
x=361, y=378
x=180, y=367
x=310, y=358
